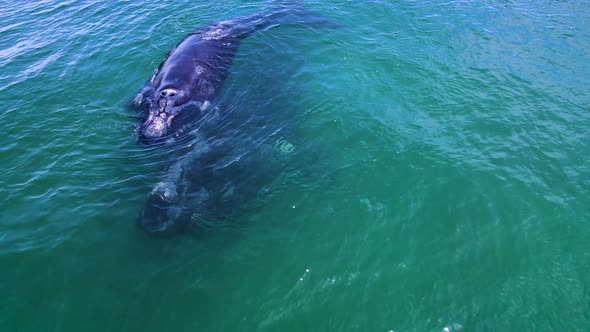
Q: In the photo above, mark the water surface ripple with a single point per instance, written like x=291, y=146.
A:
x=440, y=179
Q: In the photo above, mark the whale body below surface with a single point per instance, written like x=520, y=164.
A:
x=210, y=184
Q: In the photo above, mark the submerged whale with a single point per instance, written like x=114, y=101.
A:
x=212, y=183
x=221, y=170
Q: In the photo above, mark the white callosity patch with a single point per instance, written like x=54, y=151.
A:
x=199, y=70
x=205, y=105
x=215, y=34
x=220, y=30
x=166, y=190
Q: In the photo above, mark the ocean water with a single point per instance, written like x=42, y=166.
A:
x=439, y=178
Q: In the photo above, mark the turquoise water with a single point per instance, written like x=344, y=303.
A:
x=440, y=177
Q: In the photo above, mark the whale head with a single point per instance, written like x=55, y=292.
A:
x=161, y=114
x=163, y=214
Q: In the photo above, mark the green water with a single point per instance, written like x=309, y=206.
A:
x=449, y=188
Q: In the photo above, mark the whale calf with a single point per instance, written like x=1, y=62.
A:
x=209, y=185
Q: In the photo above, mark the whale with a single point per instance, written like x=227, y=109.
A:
x=185, y=83
x=230, y=161
x=209, y=185
x=190, y=76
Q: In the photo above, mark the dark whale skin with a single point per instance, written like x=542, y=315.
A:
x=191, y=74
